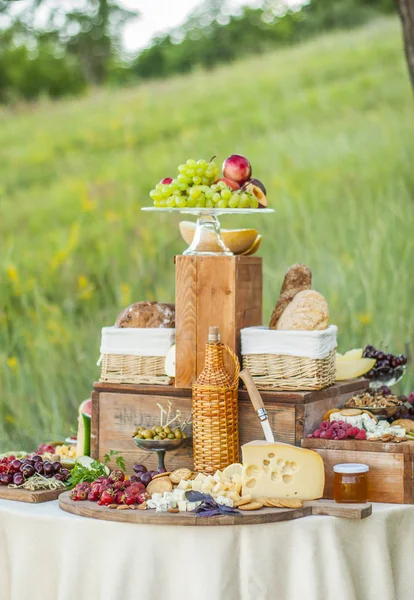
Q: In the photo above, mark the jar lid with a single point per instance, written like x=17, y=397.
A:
x=351, y=468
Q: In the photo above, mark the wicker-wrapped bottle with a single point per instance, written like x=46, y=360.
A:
x=215, y=410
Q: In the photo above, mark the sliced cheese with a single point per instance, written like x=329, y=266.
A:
x=196, y=485
x=281, y=471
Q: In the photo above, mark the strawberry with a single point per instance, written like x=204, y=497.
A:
x=117, y=475
x=130, y=500
x=361, y=435
x=107, y=497
x=93, y=496
x=119, y=497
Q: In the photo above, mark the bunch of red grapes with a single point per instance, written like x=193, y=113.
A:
x=16, y=471
x=116, y=489
x=387, y=365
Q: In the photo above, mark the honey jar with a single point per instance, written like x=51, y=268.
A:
x=351, y=483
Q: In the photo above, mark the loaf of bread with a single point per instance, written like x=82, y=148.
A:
x=297, y=278
x=147, y=314
x=308, y=311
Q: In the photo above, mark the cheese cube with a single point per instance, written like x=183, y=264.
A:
x=156, y=496
x=184, y=485
x=196, y=485
x=218, y=476
x=179, y=494
x=162, y=506
x=172, y=503
x=208, y=484
x=282, y=471
x=224, y=501
x=219, y=487
x=167, y=495
x=182, y=505
x=234, y=496
x=201, y=477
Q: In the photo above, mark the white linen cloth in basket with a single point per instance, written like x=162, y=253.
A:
x=135, y=341
x=309, y=344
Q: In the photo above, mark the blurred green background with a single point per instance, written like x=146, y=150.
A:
x=316, y=96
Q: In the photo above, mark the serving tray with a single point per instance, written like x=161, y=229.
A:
x=264, y=515
x=20, y=495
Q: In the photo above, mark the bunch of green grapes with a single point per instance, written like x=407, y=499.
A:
x=194, y=187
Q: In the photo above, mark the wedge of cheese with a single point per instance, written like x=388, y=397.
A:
x=281, y=471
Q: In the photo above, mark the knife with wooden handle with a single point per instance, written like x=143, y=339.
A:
x=258, y=404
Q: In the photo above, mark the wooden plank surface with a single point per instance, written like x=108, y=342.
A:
x=120, y=414
x=264, y=515
x=388, y=479
x=19, y=495
x=334, y=391
x=359, y=445
x=185, y=319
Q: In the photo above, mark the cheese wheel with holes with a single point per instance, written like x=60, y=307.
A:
x=281, y=471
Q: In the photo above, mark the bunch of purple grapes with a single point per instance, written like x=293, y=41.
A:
x=387, y=365
x=16, y=471
x=143, y=475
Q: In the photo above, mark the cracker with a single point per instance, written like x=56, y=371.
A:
x=275, y=503
x=251, y=506
x=159, y=475
x=179, y=474
x=243, y=500
x=159, y=486
x=291, y=502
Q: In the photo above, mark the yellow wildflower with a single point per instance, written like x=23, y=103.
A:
x=12, y=363
x=365, y=318
x=125, y=294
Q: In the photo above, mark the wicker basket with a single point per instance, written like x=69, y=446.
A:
x=215, y=413
x=117, y=367
x=121, y=368
x=283, y=372
x=279, y=371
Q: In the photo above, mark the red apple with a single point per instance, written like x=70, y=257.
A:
x=233, y=185
x=166, y=180
x=237, y=168
x=257, y=183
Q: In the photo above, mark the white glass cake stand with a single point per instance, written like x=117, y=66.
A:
x=207, y=239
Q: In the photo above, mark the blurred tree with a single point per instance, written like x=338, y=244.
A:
x=93, y=35
x=406, y=10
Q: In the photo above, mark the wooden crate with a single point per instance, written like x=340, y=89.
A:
x=390, y=466
x=117, y=409
x=213, y=290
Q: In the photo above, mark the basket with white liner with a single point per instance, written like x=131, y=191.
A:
x=289, y=360
x=135, y=355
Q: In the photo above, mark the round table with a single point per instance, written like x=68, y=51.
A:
x=47, y=554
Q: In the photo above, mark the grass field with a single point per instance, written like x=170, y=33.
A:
x=328, y=126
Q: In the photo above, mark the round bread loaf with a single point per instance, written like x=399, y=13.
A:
x=297, y=279
x=308, y=311
x=147, y=314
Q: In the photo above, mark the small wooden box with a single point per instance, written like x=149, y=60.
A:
x=213, y=290
x=390, y=476
x=117, y=409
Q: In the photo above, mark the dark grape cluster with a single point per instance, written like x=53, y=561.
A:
x=388, y=366
x=16, y=471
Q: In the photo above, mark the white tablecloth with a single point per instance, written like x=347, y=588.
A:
x=46, y=554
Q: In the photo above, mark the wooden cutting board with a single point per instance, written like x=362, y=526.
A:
x=20, y=495
x=264, y=515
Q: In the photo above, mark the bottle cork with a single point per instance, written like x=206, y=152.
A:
x=213, y=335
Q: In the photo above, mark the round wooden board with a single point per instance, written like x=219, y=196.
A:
x=150, y=517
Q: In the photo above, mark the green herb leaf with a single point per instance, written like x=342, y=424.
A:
x=120, y=461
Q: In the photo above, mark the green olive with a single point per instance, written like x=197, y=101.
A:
x=171, y=436
x=162, y=435
x=158, y=429
x=147, y=434
x=167, y=429
x=178, y=433
x=139, y=436
x=156, y=437
x=185, y=436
